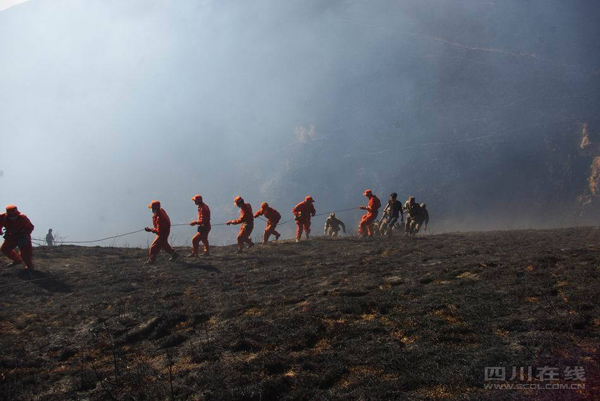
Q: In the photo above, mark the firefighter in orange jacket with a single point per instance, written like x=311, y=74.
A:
x=246, y=219
x=272, y=217
x=303, y=212
x=18, y=234
x=365, y=227
x=203, y=224
x=162, y=229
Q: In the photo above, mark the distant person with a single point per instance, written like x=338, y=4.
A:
x=246, y=219
x=391, y=214
x=365, y=227
x=332, y=226
x=410, y=210
x=203, y=224
x=18, y=229
x=162, y=229
x=50, y=238
x=272, y=217
x=423, y=218
x=413, y=215
x=303, y=211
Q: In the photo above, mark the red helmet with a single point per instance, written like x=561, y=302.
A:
x=368, y=192
x=264, y=205
x=309, y=199
x=154, y=204
x=238, y=200
x=197, y=198
x=12, y=210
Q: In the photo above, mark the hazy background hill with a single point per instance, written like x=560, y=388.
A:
x=477, y=108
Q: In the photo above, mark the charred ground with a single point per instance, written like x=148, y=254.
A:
x=330, y=318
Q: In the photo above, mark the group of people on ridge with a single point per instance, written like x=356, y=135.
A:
x=417, y=216
x=18, y=227
x=162, y=225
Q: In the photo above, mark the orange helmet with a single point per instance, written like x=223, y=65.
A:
x=197, y=198
x=12, y=210
x=368, y=192
x=154, y=204
x=309, y=199
x=264, y=205
x=238, y=200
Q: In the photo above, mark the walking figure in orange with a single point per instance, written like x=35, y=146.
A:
x=162, y=229
x=246, y=219
x=272, y=217
x=303, y=212
x=203, y=224
x=365, y=227
x=18, y=234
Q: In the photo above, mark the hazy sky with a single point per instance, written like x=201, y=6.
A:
x=4, y=4
x=106, y=105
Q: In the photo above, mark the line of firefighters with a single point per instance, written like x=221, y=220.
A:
x=18, y=227
x=417, y=216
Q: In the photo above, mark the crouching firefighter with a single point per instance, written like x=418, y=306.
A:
x=332, y=226
x=18, y=229
x=272, y=217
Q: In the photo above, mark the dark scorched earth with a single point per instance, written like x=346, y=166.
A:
x=333, y=318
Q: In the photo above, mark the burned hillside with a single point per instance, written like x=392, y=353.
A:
x=401, y=318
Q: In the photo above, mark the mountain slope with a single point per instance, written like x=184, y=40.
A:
x=331, y=318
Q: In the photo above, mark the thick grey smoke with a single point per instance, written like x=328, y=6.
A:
x=474, y=107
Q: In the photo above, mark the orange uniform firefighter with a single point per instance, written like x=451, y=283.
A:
x=365, y=227
x=303, y=212
x=246, y=219
x=203, y=224
x=18, y=234
x=162, y=229
x=272, y=217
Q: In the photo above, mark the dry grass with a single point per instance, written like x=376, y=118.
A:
x=327, y=319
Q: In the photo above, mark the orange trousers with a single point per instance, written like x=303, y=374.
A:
x=302, y=225
x=25, y=253
x=160, y=242
x=270, y=230
x=201, y=236
x=244, y=235
x=365, y=227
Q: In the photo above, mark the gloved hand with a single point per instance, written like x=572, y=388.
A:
x=362, y=207
x=148, y=230
x=230, y=222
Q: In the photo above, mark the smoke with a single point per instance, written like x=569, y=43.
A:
x=473, y=107
x=5, y=4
